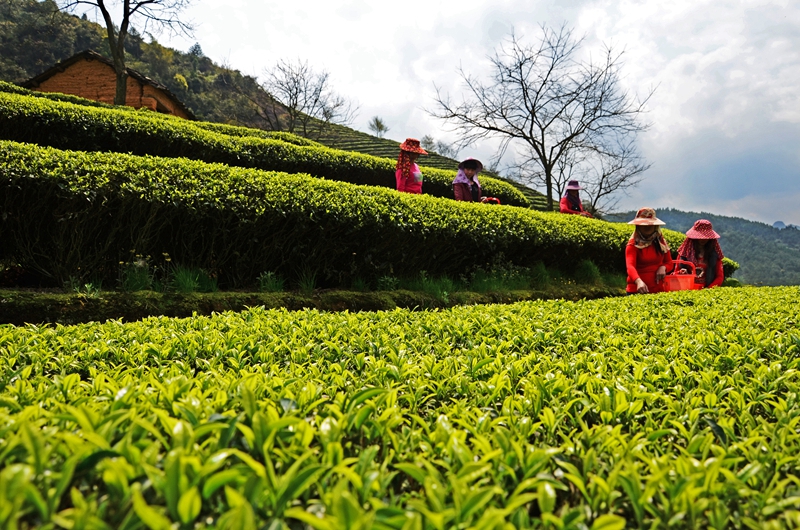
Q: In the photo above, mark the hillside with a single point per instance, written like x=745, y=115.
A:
x=32, y=39
x=766, y=255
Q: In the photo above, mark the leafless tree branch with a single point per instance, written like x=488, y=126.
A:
x=550, y=106
x=309, y=102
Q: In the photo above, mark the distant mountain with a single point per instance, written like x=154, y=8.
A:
x=766, y=255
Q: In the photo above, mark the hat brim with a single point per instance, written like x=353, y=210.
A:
x=417, y=150
x=694, y=234
x=574, y=188
x=480, y=164
x=645, y=221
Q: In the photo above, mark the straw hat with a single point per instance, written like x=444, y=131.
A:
x=411, y=145
x=702, y=230
x=646, y=216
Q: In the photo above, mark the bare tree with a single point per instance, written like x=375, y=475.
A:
x=378, y=126
x=612, y=172
x=155, y=14
x=306, y=98
x=545, y=102
x=602, y=173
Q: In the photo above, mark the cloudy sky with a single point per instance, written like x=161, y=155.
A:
x=725, y=115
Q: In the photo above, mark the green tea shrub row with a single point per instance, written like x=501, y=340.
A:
x=78, y=127
x=68, y=213
x=675, y=410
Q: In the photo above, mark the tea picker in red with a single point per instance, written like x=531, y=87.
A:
x=408, y=174
x=647, y=255
x=701, y=248
x=571, y=201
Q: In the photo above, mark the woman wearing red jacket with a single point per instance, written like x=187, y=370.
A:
x=466, y=186
x=701, y=247
x=647, y=255
x=571, y=201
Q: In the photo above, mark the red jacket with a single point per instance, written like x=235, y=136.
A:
x=643, y=263
x=565, y=206
x=462, y=192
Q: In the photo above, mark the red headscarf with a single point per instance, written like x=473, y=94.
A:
x=686, y=250
x=404, y=164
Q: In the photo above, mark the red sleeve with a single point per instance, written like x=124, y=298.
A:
x=666, y=261
x=719, y=278
x=564, y=206
x=461, y=192
x=630, y=262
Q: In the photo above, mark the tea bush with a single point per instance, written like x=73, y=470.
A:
x=55, y=123
x=67, y=213
x=669, y=410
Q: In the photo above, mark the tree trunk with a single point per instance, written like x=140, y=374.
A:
x=121, y=93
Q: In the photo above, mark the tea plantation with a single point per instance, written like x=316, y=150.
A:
x=675, y=410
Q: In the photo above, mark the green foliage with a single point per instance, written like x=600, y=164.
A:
x=588, y=273
x=676, y=409
x=360, y=284
x=307, y=279
x=69, y=213
x=502, y=278
x=729, y=267
x=388, y=283
x=136, y=276
x=440, y=288
x=190, y=280
x=34, y=36
x=46, y=122
x=269, y=282
x=540, y=276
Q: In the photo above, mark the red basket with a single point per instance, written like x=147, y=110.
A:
x=681, y=281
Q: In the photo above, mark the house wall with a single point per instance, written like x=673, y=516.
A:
x=96, y=80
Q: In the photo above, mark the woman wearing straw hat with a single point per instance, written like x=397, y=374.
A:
x=647, y=255
x=701, y=247
x=466, y=186
x=407, y=174
x=571, y=201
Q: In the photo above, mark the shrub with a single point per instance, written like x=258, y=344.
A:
x=78, y=127
x=587, y=272
x=729, y=267
x=269, y=282
x=78, y=214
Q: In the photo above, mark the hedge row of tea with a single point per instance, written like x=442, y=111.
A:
x=70, y=126
x=72, y=214
x=676, y=410
x=223, y=128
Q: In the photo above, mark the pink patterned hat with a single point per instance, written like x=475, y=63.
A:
x=702, y=230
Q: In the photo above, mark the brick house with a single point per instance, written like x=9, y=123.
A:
x=91, y=76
